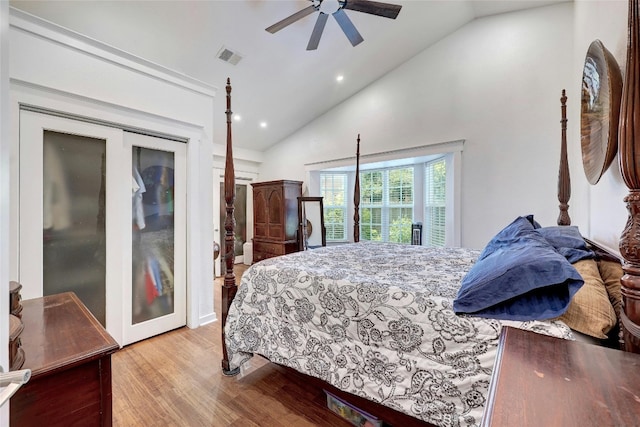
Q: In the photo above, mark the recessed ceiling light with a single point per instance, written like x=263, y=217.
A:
x=263, y=124
x=237, y=117
x=340, y=78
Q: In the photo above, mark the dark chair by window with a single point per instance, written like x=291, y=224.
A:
x=416, y=233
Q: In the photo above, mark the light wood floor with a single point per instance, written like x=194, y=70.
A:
x=175, y=379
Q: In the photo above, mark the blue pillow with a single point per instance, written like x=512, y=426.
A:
x=508, y=234
x=568, y=242
x=518, y=276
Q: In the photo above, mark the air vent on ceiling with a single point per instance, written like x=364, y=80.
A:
x=228, y=55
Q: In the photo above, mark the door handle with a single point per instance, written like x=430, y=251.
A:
x=11, y=382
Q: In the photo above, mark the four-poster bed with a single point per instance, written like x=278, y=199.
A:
x=335, y=298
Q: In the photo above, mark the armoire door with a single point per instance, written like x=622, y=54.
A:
x=80, y=223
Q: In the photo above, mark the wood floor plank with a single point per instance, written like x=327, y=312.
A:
x=175, y=379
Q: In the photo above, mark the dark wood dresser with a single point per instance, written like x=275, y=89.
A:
x=69, y=354
x=544, y=381
x=275, y=218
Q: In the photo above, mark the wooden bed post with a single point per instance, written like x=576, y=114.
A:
x=229, y=286
x=629, y=155
x=564, y=180
x=356, y=196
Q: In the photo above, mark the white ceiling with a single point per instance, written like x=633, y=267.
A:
x=277, y=81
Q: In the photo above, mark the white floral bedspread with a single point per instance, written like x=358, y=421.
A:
x=375, y=320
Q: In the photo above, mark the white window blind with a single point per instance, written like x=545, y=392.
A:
x=386, y=203
x=435, y=203
x=333, y=189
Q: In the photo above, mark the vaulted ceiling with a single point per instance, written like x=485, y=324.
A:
x=277, y=81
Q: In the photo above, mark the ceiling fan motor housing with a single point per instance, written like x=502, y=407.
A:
x=329, y=6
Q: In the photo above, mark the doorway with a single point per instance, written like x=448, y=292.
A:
x=240, y=215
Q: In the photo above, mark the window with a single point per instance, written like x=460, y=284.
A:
x=386, y=202
x=435, y=203
x=333, y=189
x=398, y=188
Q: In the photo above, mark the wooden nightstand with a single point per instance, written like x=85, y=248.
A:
x=545, y=382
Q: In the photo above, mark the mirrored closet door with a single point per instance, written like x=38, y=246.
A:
x=155, y=301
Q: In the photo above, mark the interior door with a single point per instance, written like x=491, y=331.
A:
x=243, y=214
x=155, y=295
x=68, y=194
x=240, y=215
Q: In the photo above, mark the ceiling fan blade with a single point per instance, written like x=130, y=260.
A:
x=291, y=19
x=317, y=31
x=347, y=27
x=387, y=10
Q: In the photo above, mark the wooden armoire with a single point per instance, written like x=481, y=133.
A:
x=275, y=218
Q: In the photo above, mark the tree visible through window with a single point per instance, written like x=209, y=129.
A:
x=371, y=189
x=386, y=203
x=333, y=189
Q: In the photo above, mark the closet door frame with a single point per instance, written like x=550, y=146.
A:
x=200, y=152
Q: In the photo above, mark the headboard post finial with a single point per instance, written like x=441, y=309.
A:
x=564, y=179
x=629, y=147
x=229, y=286
x=356, y=196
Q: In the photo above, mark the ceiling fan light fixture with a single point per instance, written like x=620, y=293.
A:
x=329, y=6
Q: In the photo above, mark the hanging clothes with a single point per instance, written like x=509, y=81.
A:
x=137, y=189
x=56, y=199
x=151, y=284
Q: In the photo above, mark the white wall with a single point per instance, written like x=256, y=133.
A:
x=59, y=70
x=495, y=83
x=5, y=147
x=607, y=21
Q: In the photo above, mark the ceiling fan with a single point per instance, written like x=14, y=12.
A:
x=336, y=8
